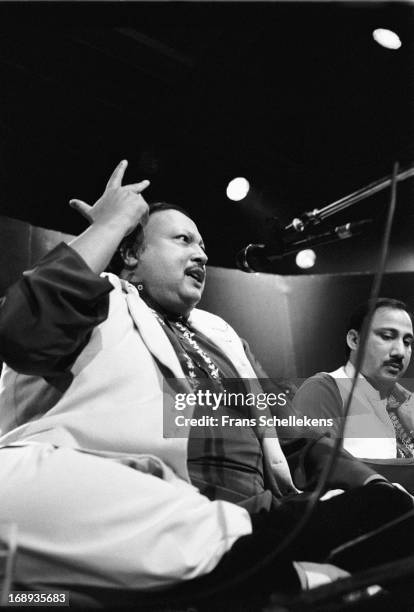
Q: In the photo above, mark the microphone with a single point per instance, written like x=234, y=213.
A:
x=259, y=257
x=299, y=224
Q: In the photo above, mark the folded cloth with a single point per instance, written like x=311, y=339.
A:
x=312, y=575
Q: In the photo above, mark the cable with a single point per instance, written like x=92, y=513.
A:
x=376, y=285
x=329, y=466
x=370, y=534
x=327, y=471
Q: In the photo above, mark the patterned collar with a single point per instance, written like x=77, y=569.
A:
x=156, y=308
x=397, y=396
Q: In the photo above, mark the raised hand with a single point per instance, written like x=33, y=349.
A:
x=120, y=205
x=117, y=212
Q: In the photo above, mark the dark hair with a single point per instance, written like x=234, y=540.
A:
x=136, y=239
x=357, y=318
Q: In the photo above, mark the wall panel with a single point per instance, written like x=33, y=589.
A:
x=294, y=324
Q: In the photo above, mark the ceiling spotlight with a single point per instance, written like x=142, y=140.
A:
x=237, y=189
x=306, y=259
x=386, y=38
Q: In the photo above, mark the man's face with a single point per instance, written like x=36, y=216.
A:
x=172, y=264
x=388, y=348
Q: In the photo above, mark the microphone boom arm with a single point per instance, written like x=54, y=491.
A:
x=316, y=216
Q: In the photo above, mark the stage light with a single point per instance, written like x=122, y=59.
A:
x=237, y=189
x=306, y=259
x=386, y=38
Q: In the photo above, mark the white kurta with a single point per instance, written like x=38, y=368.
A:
x=369, y=431
x=99, y=495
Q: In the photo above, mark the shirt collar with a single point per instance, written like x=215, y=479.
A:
x=363, y=384
x=397, y=392
x=151, y=303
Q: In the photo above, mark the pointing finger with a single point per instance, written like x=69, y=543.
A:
x=137, y=187
x=82, y=208
x=115, y=180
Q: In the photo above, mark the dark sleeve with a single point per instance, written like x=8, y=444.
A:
x=307, y=454
x=348, y=472
x=319, y=398
x=47, y=317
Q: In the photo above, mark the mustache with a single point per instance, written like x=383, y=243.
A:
x=396, y=361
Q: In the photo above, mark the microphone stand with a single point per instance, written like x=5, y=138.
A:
x=286, y=242
x=321, y=239
x=256, y=257
x=316, y=216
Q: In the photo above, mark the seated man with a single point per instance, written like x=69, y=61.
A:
x=380, y=422
x=100, y=497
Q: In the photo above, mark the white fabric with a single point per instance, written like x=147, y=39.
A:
x=369, y=432
x=141, y=527
x=85, y=519
x=313, y=575
x=115, y=401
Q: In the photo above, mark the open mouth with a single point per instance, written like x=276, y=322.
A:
x=197, y=273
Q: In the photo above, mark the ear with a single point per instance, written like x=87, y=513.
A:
x=352, y=339
x=129, y=257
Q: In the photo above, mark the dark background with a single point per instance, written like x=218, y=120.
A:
x=297, y=97
x=295, y=324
